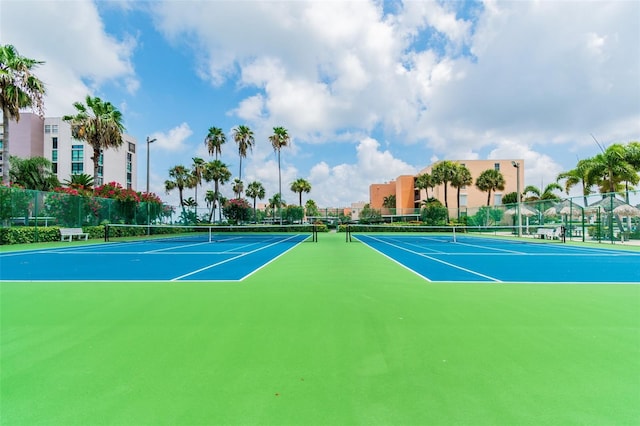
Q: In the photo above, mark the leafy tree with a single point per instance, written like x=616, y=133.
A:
x=490, y=180
x=19, y=88
x=219, y=173
x=299, y=186
x=434, y=213
x=460, y=179
x=279, y=140
x=243, y=136
x=33, y=173
x=214, y=141
x=99, y=124
x=442, y=174
x=255, y=190
x=293, y=214
x=369, y=215
x=237, y=210
x=311, y=208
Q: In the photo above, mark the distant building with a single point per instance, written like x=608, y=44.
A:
x=51, y=138
x=408, y=197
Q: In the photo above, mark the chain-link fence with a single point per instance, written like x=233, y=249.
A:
x=596, y=217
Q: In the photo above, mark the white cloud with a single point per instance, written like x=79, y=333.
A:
x=67, y=36
x=173, y=140
x=343, y=184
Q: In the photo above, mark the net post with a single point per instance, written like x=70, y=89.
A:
x=106, y=232
x=348, y=233
x=454, y=234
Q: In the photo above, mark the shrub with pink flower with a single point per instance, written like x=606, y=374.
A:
x=237, y=210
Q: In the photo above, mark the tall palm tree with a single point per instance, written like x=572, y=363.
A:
x=222, y=200
x=214, y=141
x=243, y=136
x=610, y=168
x=238, y=187
x=197, y=169
x=424, y=181
x=300, y=185
x=578, y=175
x=443, y=173
x=181, y=180
x=210, y=199
x=279, y=140
x=461, y=178
x=255, y=190
x=632, y=155
x=546, y=194
x=99, y=124
x=490, y=180
x=219, y=173
x=19, y=88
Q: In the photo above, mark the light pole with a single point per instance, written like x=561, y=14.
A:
x=149, y=142
x=518, y=200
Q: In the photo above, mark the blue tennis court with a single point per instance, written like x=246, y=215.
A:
x=478, y=259
x=231, y=258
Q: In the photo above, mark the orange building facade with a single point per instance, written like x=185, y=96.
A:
x=409, y=198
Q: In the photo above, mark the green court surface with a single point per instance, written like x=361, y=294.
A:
x=328, y=334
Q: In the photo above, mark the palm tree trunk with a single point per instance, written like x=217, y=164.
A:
x=279, y=189
x=5, y=146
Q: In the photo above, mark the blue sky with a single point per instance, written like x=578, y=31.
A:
x=368, y=90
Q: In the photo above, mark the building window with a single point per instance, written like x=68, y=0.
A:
x=132, y=147
x=497, y=199
x=54, y=168
x=496, y=166
x=54, y=142
x=77, y=153
x=54, y=155
x=77, y=159
x=54, y=128
x=47, y=128
x=463, y=199
x=77, y=168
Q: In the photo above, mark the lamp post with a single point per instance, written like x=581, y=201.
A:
x=149, y=142
x=518, y=197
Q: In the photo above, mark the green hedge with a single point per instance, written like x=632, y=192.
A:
x=32, y=234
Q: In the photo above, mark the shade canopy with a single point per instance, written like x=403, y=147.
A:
x=524, y=211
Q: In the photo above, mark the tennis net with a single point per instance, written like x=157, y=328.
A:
x=211, y=234
x=439, y=234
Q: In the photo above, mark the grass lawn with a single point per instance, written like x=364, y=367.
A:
x=329, y=334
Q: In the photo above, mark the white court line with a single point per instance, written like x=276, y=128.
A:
x=229, y=260
x=436, y=260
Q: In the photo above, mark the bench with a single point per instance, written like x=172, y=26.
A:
x=71, y=232
x=549, y=233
